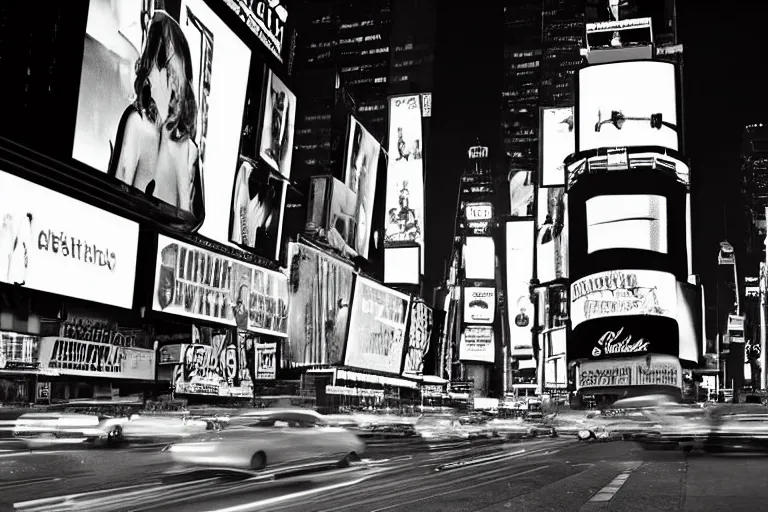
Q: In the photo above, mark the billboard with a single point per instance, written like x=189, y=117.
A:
x=404, y=202
x=361, y=165
x=160, y=109
x=553, y=343
x=377, y=324
x=557, y=140
x=267, y=19
x=200, y=284
x=479, y=305
x=623, y=293
x=628, y=104
x=478, y=212
x=552, y=235
x=332, y=215
x=319, y=291
x=56, y=244
x=402, y=265
x=627, y=221
x=477, y=345
x=419, y=335
x=521, y=192
x=259, y=186
x=622, y=336
x=654, y=370
x=690, y=321
x=214, y=365
x=519, y=275
x=265, y=361
x=479, y=257
x=90, y=359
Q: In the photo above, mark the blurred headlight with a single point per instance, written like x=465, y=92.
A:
x=190, y=448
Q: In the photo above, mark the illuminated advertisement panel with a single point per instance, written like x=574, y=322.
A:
x=627, y=104
x=479, y=257
x=186, y=146
x=553, y=343
x=200, y=284
x=376, y=338
x=690, y=321
x=216, y=364
x=519, y=238
x=552, y=235
x=360, y=171
x=319, y=291
x=521, y=192
x=404, y=203
x=478, y=211
x=557, y=140
x=622, y=336
x=419, y=336
x=477, y=345
x=654, y=370
x=267, y=19
x=265, y=361
x=623, y=293
x=53, y=243
x=90, y=359
x=627, y=222
x=479, y=305
x=331, y=214
x=402, y=265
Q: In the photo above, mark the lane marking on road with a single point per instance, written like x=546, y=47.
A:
x=258, y=505
x=461, y=489
x=609, y=491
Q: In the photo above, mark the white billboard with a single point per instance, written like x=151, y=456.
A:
x=56, y=244
x=479, y=305
x=650, y=370
x=478, y=211
x=477, y=345
x=519, y=274
x=402, y=265
x=558, y=140
x=479, y=257
x=623, y=293
x=628, y=104
x=552, y=234
x=627, y=221
x=266, y=361
x=404, y=203
x=89, y=359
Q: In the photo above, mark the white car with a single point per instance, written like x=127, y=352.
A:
x=271, y=438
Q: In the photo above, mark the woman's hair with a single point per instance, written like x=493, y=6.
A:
x=165, y=37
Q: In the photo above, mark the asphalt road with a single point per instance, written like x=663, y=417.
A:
x=539, y=475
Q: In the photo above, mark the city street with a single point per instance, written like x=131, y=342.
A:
x=538, y=475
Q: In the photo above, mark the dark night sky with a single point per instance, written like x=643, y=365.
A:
x=725, y=88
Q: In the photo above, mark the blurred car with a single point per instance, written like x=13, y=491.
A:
x=44, y=429
x=270, y=438
x=166, y=428
x=514, y=428
x=441, y=429
x=737, y=428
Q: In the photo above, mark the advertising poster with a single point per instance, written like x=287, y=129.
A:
x=402, y=265
x=266, y=361
x=655, y=370
x=479, y=305
x=479, y=257
x=267, y=19
x=623, y=293
x=56, y=244
x=160, y=105
x=690, y=321
x=319, y=291
x=552, y=237
x=558, y=140
x=259, y=188
x=405, y=173
x=477, y=345
x=622, y=336
x=331, y=215
x=627, y=221
x=376, y=328
x=521, y=190
x=360, y=170
x=19, y=351
x=628, y=104
x=419, y=336
x=197, y=283
x=89, y=359
x=519, y=275
x=279, y=116
x=212, y=365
